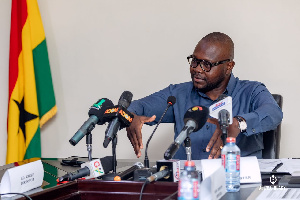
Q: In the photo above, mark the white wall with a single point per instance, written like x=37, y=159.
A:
x=100, y=48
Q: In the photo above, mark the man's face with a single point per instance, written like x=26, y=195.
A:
x=212, y=52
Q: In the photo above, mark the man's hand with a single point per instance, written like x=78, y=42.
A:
x=215, y=144
x=134, y=132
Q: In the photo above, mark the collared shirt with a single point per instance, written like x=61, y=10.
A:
x=250, y=100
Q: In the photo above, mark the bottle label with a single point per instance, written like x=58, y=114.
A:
x=188, y=189
x=223, y=160
x=195, y=189
x=179, y=188
x=232, y=163
x=238, y=162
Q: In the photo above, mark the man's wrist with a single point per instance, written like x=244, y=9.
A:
x=242, y=124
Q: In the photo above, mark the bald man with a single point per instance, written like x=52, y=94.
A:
x=254, y=108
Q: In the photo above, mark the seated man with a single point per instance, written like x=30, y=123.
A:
x=254, y=108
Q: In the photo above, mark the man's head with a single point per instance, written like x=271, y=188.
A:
x=212, y=62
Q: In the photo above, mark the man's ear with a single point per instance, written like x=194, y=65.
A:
x=230, y=66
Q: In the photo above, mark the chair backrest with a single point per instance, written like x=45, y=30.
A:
x=271, y=139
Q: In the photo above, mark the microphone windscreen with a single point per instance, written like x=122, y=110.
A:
x=171, y=100
x=99, y=108
x=125, y=99
x=199, y=114
x=107, y=163
x=169, y=154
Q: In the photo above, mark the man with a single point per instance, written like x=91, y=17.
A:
x=254, y=109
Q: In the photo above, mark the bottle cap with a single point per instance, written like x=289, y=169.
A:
x=230, y=139
x=189, y=163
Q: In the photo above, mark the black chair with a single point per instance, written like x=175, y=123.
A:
x=271, y=139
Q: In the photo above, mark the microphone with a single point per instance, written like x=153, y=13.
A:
x=173, y=166
x=224, y=120
x=224, y=103
x=223, y=110
x=128, y=173
x=115, y=124
x=171, y=101
x=96, y=113
x=92, y=169
x=158, y=175
x=169, y=170
x=194, y=120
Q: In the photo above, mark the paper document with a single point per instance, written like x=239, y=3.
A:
x=289, y=165
x=292, y=166
x=267, y=165
x=284, y=193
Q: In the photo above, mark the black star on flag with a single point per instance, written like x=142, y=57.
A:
x=24, y=117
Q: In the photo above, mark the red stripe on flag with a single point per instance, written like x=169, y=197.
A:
x=18, y=19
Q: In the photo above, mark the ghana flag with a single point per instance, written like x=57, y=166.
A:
x=31, y=95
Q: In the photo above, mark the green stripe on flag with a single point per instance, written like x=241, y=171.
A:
x=34, y=148
x=44, y=86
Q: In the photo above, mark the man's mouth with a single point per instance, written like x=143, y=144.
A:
x=198, y=78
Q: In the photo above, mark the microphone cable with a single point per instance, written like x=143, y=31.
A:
x=144, y=184
x=163, y=172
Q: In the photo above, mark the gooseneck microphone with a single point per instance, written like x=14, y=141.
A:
x=96, y=113
x=115, y=124
x=194, y=120
x=170, y=102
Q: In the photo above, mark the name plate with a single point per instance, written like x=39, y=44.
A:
x=249, y=169
x=22, y=178
x=213, y=187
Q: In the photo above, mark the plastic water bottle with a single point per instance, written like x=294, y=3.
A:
x=188, y=186
x=231, y=162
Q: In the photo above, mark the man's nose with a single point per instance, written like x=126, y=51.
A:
x=199, y=69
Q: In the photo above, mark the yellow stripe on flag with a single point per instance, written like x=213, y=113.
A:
x=36, y=25
x=30, y=97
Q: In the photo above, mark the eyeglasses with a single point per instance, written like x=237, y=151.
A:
x=204, y=64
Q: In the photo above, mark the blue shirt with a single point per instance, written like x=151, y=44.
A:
x=250, y=100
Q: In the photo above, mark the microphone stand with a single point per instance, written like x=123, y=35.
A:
x=188, y=149
x=114, y=145
x=111, y=176
x=89, y=144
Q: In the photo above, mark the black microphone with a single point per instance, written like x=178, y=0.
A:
x=96, y=113
x=91, y=169
x=171, y=101
x=115, y=124
x=82, y=172
x=224, y=119
x=194, y=120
